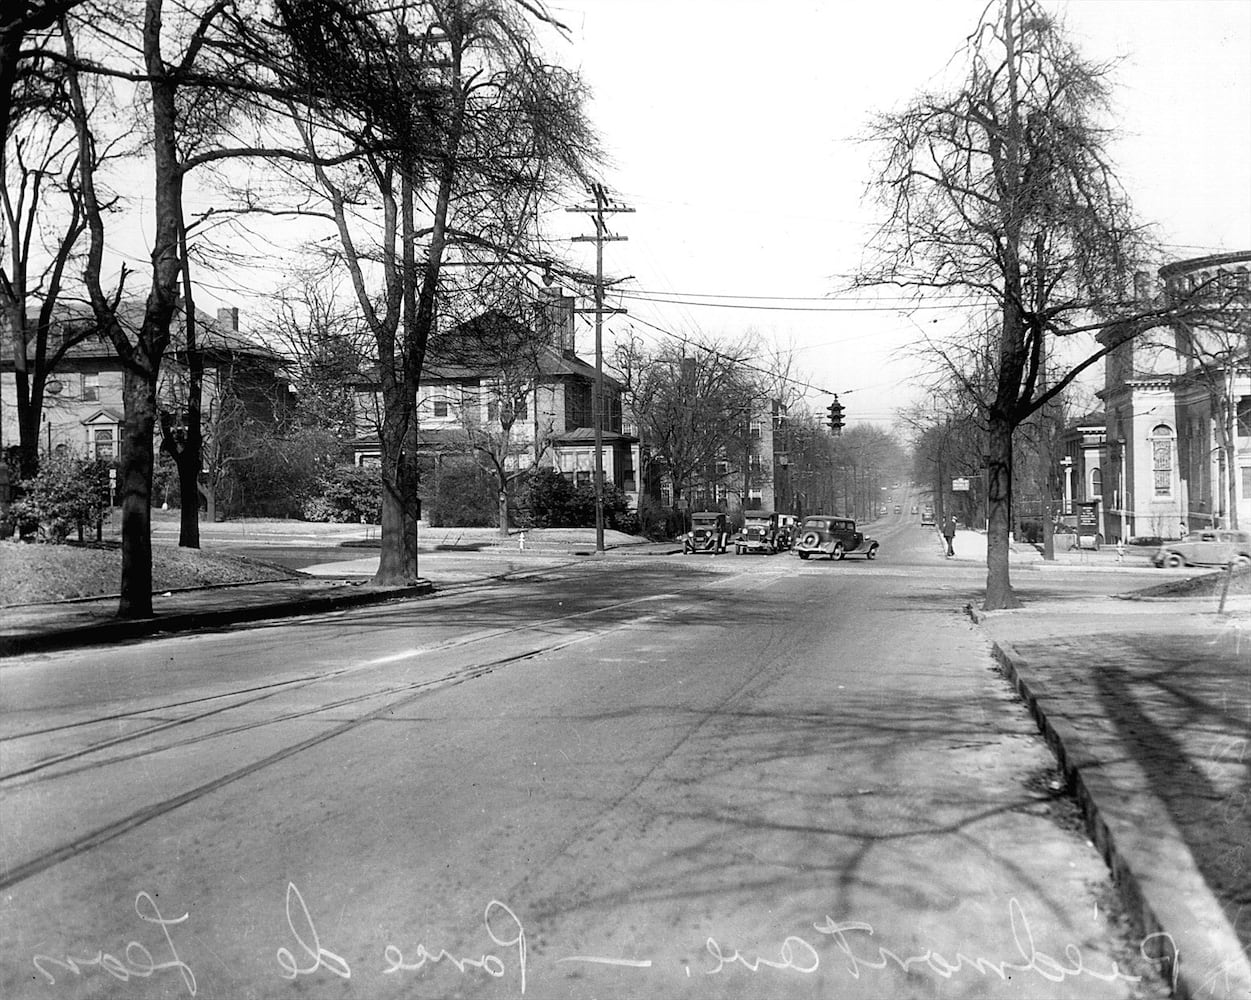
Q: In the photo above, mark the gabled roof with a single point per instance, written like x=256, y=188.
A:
x=212, y=336
x=586, y=435
x=111, y=416
x=463, y=353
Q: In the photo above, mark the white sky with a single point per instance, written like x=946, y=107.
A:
x=733, y=132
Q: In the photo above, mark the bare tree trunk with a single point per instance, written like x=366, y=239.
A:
x=135, y=483
x=397, y=563
x=999, y=594
x=186, y=453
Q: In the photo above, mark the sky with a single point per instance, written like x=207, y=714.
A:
x=734, y=130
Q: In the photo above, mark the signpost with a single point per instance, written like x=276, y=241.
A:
x=1088, y=524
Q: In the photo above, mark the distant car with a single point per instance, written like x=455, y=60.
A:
x=1206, y=548
x=898, y=509
x=758, y=534
x=709, y=532
x=835, y=537
x=927, y=516
x=916, y=509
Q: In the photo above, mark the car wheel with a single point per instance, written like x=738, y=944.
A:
x=1173, y=560
x=1242, y=560
x=803, y=555
x=872, y=553
x=810, y=539
x=838, y=552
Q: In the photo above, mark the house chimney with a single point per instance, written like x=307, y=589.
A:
x=556, y=319
x=228, y=318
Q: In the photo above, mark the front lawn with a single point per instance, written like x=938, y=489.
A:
x=34, y=573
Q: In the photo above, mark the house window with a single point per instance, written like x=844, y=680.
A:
x=666, y=494
x=440, y=407
x=1244, y=416
x=756, y=430
x=723, y=468
x=90, y=387
x=1162, y=460
x=1246, y=481
x=1096, y=484
x=102, y=444
x=577, y=405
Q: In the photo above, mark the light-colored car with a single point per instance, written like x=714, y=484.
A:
x=835, y=537
x=1213, y=547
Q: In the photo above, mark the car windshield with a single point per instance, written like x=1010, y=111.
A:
x=703, y=521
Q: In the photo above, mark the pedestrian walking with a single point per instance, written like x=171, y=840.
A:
x=949, y=533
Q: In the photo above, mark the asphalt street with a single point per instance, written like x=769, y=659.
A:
x=636, y=777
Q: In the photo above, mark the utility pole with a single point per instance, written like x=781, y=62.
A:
x=597, y=211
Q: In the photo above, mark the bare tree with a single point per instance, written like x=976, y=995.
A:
x=1003, y=192
x=42, y=224
x=329, y=346
x=694, y=411
x=456, y=119
x=509, y=355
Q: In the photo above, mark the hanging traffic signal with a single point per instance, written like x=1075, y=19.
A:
x=836, y=416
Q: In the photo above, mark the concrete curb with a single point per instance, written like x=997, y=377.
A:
x=190, y=621
x=1184, y=928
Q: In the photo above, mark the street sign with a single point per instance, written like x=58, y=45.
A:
x=960, y=485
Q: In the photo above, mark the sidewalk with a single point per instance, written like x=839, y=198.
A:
x=970, y=545
x=1147, y=705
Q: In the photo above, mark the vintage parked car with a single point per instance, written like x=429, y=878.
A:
x=788, y=525
x=1212, y=547
x=835, y=537
x=710, y=532
x=758, y=534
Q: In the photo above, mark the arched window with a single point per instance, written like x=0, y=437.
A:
x=102, y=444
x=1096, y=484
x=1162, y=459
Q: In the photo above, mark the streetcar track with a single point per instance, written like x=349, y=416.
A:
x=270, y=691
x=410, y=693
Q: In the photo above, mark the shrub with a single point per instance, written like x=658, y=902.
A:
x=554, y=502
x=466, y=498
x=547, y=497
x=346, y=494
x=66, y=494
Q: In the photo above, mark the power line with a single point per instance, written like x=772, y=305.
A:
x=818, y=309
x=774, y=298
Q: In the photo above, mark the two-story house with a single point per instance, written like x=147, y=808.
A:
x=518, y=393
x=82, y=406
